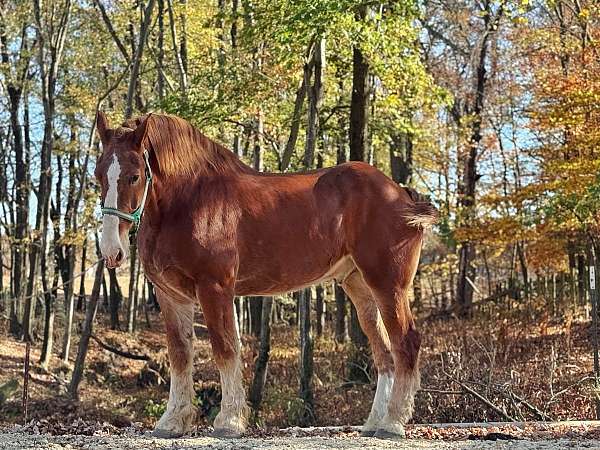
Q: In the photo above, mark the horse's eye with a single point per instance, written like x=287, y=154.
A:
x=134, y=179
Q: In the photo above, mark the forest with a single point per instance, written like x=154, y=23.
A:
x=490, y=109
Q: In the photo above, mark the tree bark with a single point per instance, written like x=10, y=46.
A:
x=65, y=253
x=261, y=366
x=133, y=267
x=51, y=295
x=81, y=296
x=86, y=332
x=181, y=65
x=320, y=309
x=524, y=271
x=307, y=416
x=359, y=139
x=401, y=159
x=315, y=96
x=297, y=114
x=467, y=188
x=14, y=87
x=341, y=313
x=255, y=309
x=50, y=42
x=234, y=23
x=137, y=59
x=160, y=58
x=341, y=327
x=115, y=299
x=359, y=107
x=581, y=278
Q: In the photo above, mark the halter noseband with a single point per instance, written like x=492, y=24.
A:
x=136, y=216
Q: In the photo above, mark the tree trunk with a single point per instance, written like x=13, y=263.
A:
x=581, y=278
x=234, y=23
x=181, y=66
x=359, y=360
x=65, y=253
x=115, y=299
x=50, y=296
x=239, y=313
x=160, y=57
x=261, y=366
x=133, y=267
x=296, y=118
x=524, y=271
x=255, y=309
x=307, y=416
x=50, y=43
x=320, y=309
x=14, y=88
x=401, y=159
x=86, y=333
x=183, y=42
x=152, y=301
x=467, y=187
x=359, y=107
x=136, y=299
x=341, y=327
x=417, y=291
x=81, y=296
x=359, y=139
x=315, y=96
x=49, y=313
x=464, y=291
x=137, y=59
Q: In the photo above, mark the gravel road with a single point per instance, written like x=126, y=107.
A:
x=17, y=439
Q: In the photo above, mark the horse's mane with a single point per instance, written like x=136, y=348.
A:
x=181, y=149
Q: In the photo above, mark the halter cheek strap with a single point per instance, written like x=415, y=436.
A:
x=134, y=217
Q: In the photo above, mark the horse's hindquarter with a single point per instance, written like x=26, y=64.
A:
x=290, y=232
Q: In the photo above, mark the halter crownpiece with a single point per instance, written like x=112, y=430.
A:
x=136, y=216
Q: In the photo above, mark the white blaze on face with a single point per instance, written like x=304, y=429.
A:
x=111, y=242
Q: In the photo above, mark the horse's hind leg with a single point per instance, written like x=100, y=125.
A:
x=219, y=313
x=180, y=414
x=390, y=282
x=370, y=322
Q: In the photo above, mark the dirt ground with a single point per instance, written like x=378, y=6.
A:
x=519, y=438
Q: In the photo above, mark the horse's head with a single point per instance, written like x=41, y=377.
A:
x=124, y=177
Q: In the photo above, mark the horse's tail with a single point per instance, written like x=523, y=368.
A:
x=421, y=213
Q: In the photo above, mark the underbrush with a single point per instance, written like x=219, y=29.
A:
x=520, y=365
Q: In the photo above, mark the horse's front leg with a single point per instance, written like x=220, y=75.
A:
x=180, y=415
x=219, y=313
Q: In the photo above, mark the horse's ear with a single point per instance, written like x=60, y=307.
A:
x=140, y=135
x=103, y=128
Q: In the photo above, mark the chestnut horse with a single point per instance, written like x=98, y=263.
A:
x=213, y=228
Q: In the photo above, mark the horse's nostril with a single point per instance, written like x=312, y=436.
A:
x=119, y=256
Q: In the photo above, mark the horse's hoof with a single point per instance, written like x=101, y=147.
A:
x=384, y=434
x=165, y=434
x=368, y=433
x=226, y=433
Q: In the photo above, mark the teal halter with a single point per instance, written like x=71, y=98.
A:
x=136, y=216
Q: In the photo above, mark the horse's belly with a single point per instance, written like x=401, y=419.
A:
x=263, y=282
